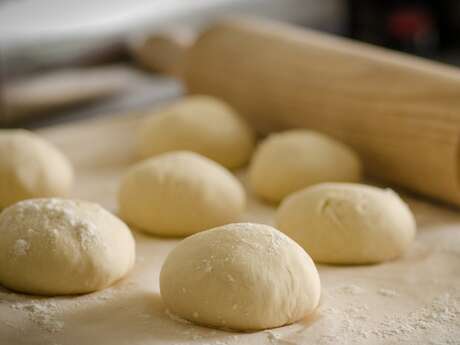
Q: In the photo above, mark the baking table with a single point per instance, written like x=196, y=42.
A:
x=411, y=300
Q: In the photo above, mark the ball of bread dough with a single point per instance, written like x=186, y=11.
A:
x=30, y=167
x=179, y=193
x=241, y=276
x=200, y=124
x=289, y=161
x=343, y=223
x=57, y=247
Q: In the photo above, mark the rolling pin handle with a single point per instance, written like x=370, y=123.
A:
x=163, y=52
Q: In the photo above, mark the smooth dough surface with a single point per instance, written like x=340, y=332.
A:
x=342, y=223
x=289, y=161
x=179, y=193
x=242, y=276
x=30, y=167
x=57, y=247
x=201, y=124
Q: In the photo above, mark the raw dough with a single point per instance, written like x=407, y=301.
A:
x=344, y=223
x=240, y=276
x=289, y=161
x=30, y=167
x=179, y=193
x=58, y=246
x=201, y=124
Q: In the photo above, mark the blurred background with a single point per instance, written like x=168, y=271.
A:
x=65, y=60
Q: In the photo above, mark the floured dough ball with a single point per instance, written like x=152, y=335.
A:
x=343, y=223
x=200, y=124
x=240, y=276
x=58, y=247
x=30, y=167
x=289, y=161
x=179, y=193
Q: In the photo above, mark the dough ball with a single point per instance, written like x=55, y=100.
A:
x=58, y=247
x=341, y=223
x=179, y=193
x=289, y=161
x=240, y=276
x=30, y=167
x=200, y=124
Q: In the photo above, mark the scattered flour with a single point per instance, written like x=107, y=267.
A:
x=441, y=317
x=276, y=339
x=41, y=313
x=443, y=312
x=350, y=323
x=350, y=290
x=202, y=335
x=176, y=318
x=45, y=312
x=388, y=292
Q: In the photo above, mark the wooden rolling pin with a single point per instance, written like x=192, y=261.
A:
x=401, y=113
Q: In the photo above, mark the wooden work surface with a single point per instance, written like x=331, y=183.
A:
x=413, y=300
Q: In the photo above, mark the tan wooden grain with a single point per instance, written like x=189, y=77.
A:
x=401, y=113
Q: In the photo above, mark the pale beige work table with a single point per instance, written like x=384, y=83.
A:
x=412, y=300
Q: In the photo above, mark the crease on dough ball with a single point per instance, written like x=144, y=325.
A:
x=179, y=193
x=201, y=124
x=30, y=167
x=289, y=161
x=343, y=223
x=241, y=276
x=59, y=246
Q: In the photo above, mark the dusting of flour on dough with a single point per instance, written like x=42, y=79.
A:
x=53, y=216
x=20, y=247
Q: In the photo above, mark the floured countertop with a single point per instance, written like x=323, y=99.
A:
x=413, y=300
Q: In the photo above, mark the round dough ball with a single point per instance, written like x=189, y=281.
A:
x=342, y=223
x=200, y=124
x=289, y=161
x=240, y=276
x=59, y=247
x=179, y=193
x=30, y=167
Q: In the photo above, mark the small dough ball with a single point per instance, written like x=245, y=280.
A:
x=289, y=161
x=30, y=167
x=240, y=276
x=59, y=247
x=200, y=124
x=179, y=193
x=342, y=223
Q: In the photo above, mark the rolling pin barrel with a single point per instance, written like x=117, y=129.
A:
x=400, y=113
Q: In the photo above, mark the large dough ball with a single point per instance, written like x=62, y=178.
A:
x=30, y=167
x=289, y=161
x=58, y=246
x=201, y=124
x=241, y=276
x=179, y=193
x=343, y=223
